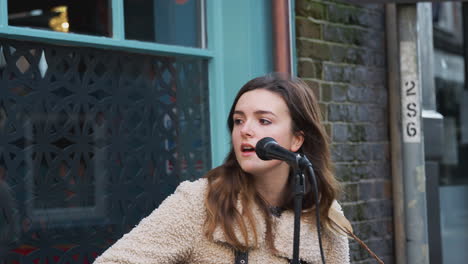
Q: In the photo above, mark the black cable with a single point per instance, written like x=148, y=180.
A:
x=317, y=207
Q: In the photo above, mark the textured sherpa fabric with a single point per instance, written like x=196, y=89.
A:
x=173, y=233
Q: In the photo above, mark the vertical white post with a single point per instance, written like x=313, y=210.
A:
x=414, y=175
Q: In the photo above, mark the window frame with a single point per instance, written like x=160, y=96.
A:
x=117, y=41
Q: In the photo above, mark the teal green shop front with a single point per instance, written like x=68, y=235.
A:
x=99, y=123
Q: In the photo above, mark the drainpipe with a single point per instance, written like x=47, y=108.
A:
x=394, y=99
x=281, y=36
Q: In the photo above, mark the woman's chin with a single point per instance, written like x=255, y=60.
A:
x=259, y=167
x=251, y=167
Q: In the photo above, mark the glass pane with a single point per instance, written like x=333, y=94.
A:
x=90, y=17
x=175, y=22
x=452, y=103
x=91, y=141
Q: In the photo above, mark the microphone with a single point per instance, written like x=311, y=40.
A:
x=267, y=149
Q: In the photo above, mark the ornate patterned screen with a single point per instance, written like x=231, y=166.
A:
x=91, y=141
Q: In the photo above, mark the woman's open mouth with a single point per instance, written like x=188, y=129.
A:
x=247, y=149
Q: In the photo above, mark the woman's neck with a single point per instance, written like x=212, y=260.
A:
x=272, y=185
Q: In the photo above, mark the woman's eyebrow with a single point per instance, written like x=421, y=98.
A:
x=263, y=112
x=238, y=112
x=258, y=112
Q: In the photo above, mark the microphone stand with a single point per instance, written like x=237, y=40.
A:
x=267, y=148
x=299, y=190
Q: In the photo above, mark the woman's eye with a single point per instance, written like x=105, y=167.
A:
x=237, y=121
x=265, y=121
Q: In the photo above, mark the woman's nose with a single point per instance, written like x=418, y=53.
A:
x=247, y=129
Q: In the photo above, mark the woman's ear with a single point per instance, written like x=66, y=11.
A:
x=297, y=141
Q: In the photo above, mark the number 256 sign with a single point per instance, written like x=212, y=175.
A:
x=411, y=110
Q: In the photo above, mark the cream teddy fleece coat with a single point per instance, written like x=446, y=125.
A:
x=173, y=233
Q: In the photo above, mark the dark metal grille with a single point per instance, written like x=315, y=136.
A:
x=91, y=141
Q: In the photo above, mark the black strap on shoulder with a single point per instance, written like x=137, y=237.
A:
x=300, y=261
x=241, y=257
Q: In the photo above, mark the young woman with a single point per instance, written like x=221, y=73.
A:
x=243, y=209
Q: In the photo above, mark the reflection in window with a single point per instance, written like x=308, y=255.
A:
x=175, y=22
x=85, y=16
x=452, y=95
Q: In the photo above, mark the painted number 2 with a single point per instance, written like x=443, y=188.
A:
x=410, y=88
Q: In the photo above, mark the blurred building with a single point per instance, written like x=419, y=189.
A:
x=105, y=106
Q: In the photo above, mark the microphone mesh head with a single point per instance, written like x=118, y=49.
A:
x=260, y=148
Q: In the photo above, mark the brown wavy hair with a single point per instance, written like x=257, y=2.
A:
x=228, y=183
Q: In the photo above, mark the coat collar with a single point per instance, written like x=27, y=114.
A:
x=283, y=228
x=284, y=234
x=218, y=234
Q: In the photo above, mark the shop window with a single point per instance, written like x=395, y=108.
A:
x=91, y=17
x=450, y=60
x=177, y=22
x=173, y=22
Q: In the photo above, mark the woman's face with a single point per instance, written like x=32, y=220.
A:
x=260, y=113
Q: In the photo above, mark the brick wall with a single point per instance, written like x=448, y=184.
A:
x=341, y=54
